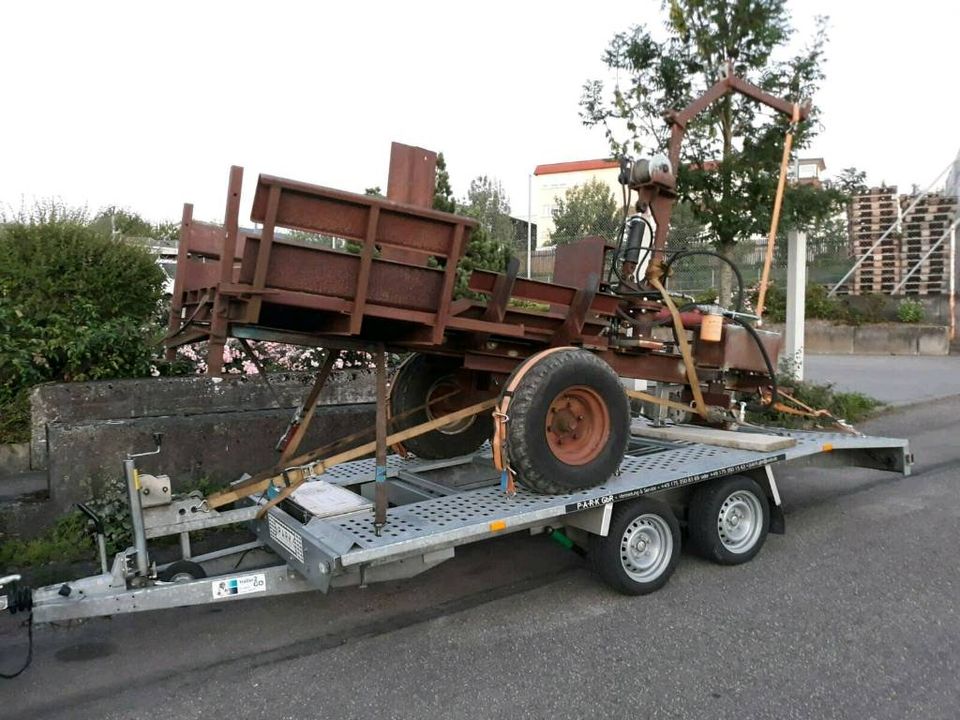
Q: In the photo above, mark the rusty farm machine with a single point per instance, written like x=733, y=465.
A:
x=533, y=368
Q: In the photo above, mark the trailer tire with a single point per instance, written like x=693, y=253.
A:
x=182, y=571
x=729, y=519
x=642, y=548
x=418, y=379
x=594, y=421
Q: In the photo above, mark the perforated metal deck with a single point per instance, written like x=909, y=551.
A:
x=475, y=514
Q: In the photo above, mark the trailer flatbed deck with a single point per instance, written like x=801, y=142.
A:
x=439, y=505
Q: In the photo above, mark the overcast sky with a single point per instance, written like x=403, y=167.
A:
x=146, y=105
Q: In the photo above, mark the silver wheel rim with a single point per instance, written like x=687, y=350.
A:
x=182, y=577
x=646, y=547
x=457, y=426
x=740, y=521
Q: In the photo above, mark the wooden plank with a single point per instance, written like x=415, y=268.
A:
x=712, y=436
x=307, y=465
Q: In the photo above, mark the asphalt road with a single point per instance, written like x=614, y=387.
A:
x=854, y=613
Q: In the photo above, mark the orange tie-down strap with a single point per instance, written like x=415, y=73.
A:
x=500, y=416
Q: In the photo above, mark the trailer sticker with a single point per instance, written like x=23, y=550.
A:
x=241, y=585
x=285, y=537
x=678, y=482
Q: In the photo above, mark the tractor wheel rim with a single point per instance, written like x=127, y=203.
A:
x=739, y=521
x=577, y=425
x=444, y=386
x=646, y=548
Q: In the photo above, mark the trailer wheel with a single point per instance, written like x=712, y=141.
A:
x=422, y=378
x=182, y=571
x=729, y=519
x=642, y=548
x=569, y=423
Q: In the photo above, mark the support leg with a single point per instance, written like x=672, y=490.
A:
x=301, y=420
x=380, y=496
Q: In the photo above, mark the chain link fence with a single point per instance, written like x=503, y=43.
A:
x=700, y=275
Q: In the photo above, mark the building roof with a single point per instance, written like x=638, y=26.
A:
x=575, y=166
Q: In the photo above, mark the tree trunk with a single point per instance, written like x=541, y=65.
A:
x=727, y=280
x=725, y=240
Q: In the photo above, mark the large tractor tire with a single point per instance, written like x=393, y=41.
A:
x=422, y=378
x=569, y=422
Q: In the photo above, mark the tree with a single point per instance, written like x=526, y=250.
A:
x=851, y=181
x=586, y=209
x=487, y=202
x=443, y=193
x=730, y=159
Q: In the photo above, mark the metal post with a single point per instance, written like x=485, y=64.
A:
x=185, y=551
x=380, y=496
x=529, y=225
x=953, y=282
x=796, y=299
x=136, y=516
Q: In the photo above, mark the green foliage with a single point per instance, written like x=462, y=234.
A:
x=910, y=311
x=487, y=202
x=851, y=181
x=820, y=306
x=75, y=304
x=442, y=190
x=67, y=541
x=483, y=253
x=730, y=159
x=853, y=407
x=586, y=209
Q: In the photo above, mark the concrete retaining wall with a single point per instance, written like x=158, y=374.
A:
x=14, y=458
x=213, y=428
x=824, y=338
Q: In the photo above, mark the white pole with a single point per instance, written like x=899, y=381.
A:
x=529, y=224
x=953, y=282
x=796, y=299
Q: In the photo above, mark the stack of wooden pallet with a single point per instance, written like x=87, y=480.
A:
x=871, y=214
x=923, y=227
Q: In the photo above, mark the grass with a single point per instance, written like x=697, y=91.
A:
x=852, y=407
x=70, y=539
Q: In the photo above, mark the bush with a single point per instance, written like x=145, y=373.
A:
x=75, y=305
x=910, y=311
x=850, y=406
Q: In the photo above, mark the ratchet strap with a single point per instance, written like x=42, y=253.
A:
x=501, y=418
x=777, y=206
x=699, y=406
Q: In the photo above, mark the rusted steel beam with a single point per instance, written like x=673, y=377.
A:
x=501, y=292
x=412, y=176
x=572, y=326
x=363, y=275
x=264, y=247
x=484, y=281
x=449, y=280
x=176, y=300
x=334, y=212
x=411, y=181
x=231, y=228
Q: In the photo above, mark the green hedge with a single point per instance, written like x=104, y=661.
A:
x=75, y=305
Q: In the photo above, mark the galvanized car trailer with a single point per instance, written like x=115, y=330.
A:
x=325, y=536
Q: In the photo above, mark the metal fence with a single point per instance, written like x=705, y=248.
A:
x=828, y=256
